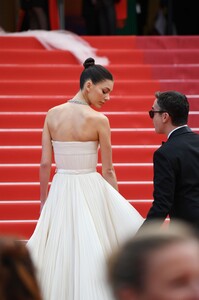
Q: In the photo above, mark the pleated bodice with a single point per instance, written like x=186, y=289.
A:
x=75, y=156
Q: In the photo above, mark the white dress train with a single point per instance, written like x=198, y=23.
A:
x=63, y=40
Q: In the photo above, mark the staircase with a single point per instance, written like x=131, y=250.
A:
x=33, y=79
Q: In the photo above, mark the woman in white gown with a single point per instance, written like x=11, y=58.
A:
x=83, y=217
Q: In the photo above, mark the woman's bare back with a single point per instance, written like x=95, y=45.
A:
x=74, y=122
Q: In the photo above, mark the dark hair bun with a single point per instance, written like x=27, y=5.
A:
x=89, y=62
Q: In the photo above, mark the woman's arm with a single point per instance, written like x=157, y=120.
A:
x=108, y=171
x=46, y=161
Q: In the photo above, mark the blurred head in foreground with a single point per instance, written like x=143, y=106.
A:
x=159, y=263
x=17, y=273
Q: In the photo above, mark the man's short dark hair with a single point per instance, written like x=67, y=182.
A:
x=176, y=104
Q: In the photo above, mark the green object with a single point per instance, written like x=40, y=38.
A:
x=130, y=27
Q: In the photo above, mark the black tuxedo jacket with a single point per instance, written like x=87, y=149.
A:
x=176, y=178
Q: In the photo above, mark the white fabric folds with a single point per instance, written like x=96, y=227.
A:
x=63, y=40
x=83, y=220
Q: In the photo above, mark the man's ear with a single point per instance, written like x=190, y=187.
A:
x=165, y=117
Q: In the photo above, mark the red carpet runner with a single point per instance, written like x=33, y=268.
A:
x=33, y=79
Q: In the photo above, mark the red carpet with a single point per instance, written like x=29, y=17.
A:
x=32, y=80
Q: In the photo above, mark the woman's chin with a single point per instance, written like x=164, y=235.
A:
x=98, y=105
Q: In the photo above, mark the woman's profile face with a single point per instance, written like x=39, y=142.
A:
x=99, y=93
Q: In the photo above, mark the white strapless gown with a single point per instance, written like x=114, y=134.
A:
x=83, y=220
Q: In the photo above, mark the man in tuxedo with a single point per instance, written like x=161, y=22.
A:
x=176, y=162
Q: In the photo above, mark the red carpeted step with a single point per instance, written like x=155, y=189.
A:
x=30, y=103
x=17, y=42
x=133, y=154
x=127, y=120
x=121, y=87
x=21, y=120
x=187, y=87
x=167, y=42
x=69, y=72
x=174, y=72
x=8, y=56
x=29, y=173
x=30, y=191
x=40, y=72
x=142, y=206
x=143, y=42
x=21, y=229
x=193, y=120
x=19, y=191
x=109, y=42
x=65, y=87
x=118, y=136
x=179, y=56
x=121, y=154
x=194, y=102
x=36, y=120
x=20, y=155
x=112, y=42
x=72, y=72
x=19, y=210
x=44, y=103
x=135, y=190
x=127, y=56
x=39, y=103
x=20, y=137
x=19, y=173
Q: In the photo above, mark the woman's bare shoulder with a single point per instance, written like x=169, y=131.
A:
x=101, y=116
x=56, y=108
x=99, y=120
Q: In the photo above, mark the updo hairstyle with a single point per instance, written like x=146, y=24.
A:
x=93, y=72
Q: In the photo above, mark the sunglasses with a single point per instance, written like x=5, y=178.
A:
x=152, y=112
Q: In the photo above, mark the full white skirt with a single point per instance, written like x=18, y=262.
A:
x=83, y=220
